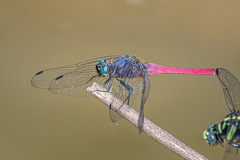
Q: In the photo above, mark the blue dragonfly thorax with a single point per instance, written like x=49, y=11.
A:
x=126, y=66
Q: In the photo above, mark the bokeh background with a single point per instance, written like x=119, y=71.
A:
x=34, y=35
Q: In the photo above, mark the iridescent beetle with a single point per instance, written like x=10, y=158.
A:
x=228, y=131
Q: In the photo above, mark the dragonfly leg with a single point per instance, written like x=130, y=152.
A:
x=130, y=91
x=109, y=86
x=92, y=78
x=103, y=84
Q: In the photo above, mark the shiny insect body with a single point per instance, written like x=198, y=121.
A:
x=227, y=132
x=125, y=76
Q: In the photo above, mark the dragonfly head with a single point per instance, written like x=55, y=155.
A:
x=212, y=136
x=102, y=68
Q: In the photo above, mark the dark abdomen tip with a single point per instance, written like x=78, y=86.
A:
x=217, y=71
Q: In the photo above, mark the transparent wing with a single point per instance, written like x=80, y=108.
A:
x=231, y=153
x=121, y=93
x=231, y=88
x=70, y=80
x=147, y=87
x=145, y=93
x=78, y=89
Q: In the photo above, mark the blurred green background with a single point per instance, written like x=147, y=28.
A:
x=34, y=35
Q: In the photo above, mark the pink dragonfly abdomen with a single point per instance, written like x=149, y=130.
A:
x=154, y=69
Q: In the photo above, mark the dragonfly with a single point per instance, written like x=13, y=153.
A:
x=124, y=76
x=227, y=132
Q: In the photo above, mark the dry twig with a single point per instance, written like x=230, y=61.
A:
x=149, y=127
